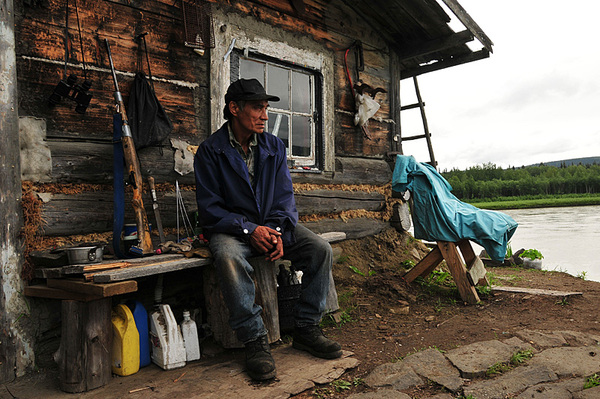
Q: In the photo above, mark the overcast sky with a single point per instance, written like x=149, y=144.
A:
x=536, y=99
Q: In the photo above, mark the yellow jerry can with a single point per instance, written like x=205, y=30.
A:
x=125, y=358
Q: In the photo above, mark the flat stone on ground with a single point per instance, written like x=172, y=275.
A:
x=568, y=361
x=542, y=339
x=393, y=375
x=590, y=393
x=558, y=390
x=510, y=383
x=380, y=394
x=576, y=338
x=431, y=364
x=475, y=359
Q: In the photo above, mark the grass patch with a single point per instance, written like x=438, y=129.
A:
x=592, y=381
x=516, y=359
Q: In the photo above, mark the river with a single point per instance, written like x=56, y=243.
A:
x=568, y=237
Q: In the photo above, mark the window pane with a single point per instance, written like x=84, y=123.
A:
x=278, y=126
x=301, y=137
x=251, y=69
x=300, y=92
x=278, y=84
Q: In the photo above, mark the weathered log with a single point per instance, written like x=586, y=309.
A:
x=354, y=228
x=265, y=280
x=354, y=170
x=86, y=338
x=328, y=201
x=90, y=212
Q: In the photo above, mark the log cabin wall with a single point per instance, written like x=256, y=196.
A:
x=80, y=145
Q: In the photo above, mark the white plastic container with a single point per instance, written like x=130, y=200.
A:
x=190, y=337
x=168, y=350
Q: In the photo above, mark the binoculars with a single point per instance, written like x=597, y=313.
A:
x=74, y=91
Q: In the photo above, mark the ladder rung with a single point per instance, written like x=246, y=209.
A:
x=422, y=136
x=411, y=106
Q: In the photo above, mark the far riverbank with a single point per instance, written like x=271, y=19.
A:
x=537, y=201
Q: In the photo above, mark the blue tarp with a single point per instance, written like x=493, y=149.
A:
x=439, y=216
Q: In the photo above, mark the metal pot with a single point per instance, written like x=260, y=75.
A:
x=82, y=255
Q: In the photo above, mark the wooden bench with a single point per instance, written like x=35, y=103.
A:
x=86, y=329
x=466, y=275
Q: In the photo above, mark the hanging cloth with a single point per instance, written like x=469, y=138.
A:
x=148, y=121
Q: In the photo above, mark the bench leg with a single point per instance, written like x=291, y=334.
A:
x=459, y=272
x=84, y=354
x=425, y=266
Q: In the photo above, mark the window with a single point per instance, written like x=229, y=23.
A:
x=294, y=119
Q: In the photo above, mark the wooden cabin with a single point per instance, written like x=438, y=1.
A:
x=314, y=54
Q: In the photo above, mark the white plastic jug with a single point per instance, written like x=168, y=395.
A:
x=168, y=350
x=190, y=337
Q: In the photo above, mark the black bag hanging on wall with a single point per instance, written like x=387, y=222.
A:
x=149, y=122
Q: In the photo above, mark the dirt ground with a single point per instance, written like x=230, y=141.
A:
x=385, y=319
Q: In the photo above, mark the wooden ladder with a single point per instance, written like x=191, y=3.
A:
x=426, y=135
x=466, y=275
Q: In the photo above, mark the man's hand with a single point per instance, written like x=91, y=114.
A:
x=265, y=239
x=276, y=252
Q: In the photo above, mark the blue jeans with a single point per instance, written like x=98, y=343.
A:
x=311, y=254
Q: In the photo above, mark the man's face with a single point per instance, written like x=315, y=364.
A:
x=253, y=117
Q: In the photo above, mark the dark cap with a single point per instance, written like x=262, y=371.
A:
x=247, y=90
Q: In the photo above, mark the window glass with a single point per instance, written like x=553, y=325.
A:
x=301, y=136
x=278, y=85
x=300, y=92
x=278, y=125
x=251, y=69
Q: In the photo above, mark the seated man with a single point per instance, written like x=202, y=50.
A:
x=246, y=208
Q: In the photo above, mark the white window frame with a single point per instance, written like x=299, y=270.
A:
x=246, y=34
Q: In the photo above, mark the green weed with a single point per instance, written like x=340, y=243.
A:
x=521, y=357
x=341, y=385
x=582, y=275
x=497, y=368
x=592, y=381
x=356, y=270
x=563, y=302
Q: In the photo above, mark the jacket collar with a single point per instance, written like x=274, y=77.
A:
x=267, y=146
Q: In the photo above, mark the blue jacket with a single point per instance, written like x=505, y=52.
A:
x=227, y=203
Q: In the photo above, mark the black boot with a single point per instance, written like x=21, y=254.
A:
x=312, y=340
x=259, y=362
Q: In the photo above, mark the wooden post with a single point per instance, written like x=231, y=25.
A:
x=14, y=355
x=84, y=354
x=265, y=280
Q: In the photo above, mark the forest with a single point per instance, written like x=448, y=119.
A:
x=489, y=181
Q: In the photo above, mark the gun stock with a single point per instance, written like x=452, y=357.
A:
x=134, y=174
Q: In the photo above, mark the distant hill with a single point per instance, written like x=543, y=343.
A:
x=569, y=162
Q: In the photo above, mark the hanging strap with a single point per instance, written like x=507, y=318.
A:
x=118, y=186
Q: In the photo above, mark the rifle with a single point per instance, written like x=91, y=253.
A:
x=132, y=164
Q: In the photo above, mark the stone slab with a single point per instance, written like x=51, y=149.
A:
x=542, y=339
x=475, y=359
x=380, y=394
x=393, y=375
x=510, y=383
x=576, y=338
x=568, y=361
x=559, y=390
x=434, y=366
x=591, y=393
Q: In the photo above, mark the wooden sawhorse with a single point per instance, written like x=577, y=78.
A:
x=466, y=276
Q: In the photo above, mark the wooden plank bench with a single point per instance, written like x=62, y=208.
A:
x=86, y=333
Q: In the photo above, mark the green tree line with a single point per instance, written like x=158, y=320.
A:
x=490, y=181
